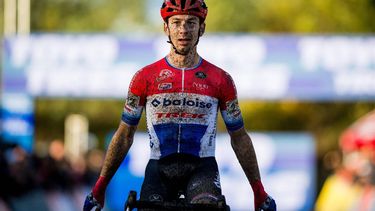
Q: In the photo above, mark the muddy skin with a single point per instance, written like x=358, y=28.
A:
x=184, y=31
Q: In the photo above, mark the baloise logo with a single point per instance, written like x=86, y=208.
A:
x=165, y=102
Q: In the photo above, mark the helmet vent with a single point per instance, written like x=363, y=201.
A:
x=183, y=4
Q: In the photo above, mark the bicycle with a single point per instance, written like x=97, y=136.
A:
x=176, y=205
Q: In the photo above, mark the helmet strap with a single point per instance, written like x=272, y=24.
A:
x=174, y=47
x=199, y=35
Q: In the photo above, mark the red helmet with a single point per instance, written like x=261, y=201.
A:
x=184, y=7
x=360, y=134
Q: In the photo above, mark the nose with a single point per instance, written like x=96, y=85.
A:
x=183, y=28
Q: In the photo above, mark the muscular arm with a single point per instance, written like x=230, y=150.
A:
x=244, y=150
x=118, y=149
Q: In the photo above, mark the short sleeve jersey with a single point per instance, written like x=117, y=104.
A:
x=182, y=107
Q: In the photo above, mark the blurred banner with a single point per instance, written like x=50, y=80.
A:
x=286, y=161
x=316, y=68
x=17, y=119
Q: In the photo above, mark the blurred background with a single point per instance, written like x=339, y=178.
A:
x=304, y=70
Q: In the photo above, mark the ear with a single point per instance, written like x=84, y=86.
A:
x=202, y=29
x=166, y=29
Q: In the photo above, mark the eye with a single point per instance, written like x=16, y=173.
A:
x=176, y=22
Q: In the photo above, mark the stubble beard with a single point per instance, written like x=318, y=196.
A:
x=185, y=50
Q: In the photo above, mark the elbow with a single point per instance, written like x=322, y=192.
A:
x=126, y=140
x=123, y=139
x=238, y=135
x=125, y=134
x=235, y=145
x=129, y=141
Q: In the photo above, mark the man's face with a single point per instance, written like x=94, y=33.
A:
x=184, y=31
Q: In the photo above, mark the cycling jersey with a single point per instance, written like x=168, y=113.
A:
x=182, y=106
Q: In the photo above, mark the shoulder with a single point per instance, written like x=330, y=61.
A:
x=219, y=72
x=150, y=68
x=211, y=66
x=156, y=65
x=223, y=79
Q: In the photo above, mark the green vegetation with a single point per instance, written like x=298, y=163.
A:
x=84, y=15
x=266, y=16
x=292, y=16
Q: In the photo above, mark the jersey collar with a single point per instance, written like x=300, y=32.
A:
x=190, y=68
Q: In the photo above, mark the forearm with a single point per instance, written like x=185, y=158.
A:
x=117, y=150
x=244, y=150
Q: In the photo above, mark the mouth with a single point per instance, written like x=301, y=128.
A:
x=184, y=41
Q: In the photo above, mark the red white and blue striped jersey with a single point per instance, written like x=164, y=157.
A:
x=182, y=106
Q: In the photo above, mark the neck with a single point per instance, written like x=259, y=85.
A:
x=183, y=61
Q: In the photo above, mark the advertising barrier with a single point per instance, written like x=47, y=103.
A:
x=264, y=67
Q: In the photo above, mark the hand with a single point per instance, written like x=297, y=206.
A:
x=91, y=202
x=268, y=205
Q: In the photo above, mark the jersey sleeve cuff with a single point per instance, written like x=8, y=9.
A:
x=235, y=126
x=130, y=120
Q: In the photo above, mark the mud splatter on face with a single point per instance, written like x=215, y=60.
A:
x=184, y=32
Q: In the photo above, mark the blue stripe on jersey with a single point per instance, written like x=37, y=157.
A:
x=232, y=126
x=168, y=138
x=232, y=123
x=191, y=138
x=190, y=141
x=130, y=119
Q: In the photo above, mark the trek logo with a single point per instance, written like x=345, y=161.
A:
x=182, y=115
x=181, y=102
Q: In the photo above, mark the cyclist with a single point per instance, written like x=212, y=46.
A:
x=182, y=94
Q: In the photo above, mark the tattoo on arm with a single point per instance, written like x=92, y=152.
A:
x=118, y=149
x=244, y=150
